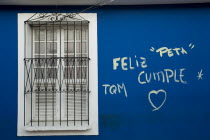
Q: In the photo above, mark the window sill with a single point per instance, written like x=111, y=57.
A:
x=57, y=128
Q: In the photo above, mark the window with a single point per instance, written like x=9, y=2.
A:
x=57, y=74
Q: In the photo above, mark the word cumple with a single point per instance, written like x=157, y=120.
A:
x=169, y=51
x=114, y=89
x=127, y=63
x=165, y=76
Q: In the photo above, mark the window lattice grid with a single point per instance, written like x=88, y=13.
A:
x=56, y=74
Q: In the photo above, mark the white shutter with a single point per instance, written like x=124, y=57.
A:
x=73, y=105
x=44, y=105
x=76, y=106
x=76, y=103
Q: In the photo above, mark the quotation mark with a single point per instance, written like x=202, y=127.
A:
x=191, y=45
x=152, y=49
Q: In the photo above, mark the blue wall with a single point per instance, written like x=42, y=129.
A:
x=126, y=31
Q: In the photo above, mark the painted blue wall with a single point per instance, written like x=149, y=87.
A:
x=126, y=31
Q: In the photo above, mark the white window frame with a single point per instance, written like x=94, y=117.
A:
x=93, y=83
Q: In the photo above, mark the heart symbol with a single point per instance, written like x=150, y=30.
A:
x=156, y=92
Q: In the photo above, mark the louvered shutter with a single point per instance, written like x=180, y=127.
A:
x=45, y=104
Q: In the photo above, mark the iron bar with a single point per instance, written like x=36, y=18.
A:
x=84, y=57
x=46, y=79
x=67, y=76
x=88, y=70
x=39, y=73
x=24, y=75
x=74, y=71
x=81, y=70
x=53, y=61
x=60, y=74
x=31, y=77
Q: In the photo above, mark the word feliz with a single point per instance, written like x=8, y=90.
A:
x=167, y=75
x=129, y=63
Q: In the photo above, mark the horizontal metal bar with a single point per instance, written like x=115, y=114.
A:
x=56, y=58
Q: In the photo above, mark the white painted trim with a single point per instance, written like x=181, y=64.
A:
x=93, y=85
x=93, y=2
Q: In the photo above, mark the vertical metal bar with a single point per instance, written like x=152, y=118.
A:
x=24, y=73
x=46, y=79
x=24, y=95
x=60, y=72
x=74, y=70
x=67, y=75
x=39, y=73
x=32, y=74
x=81, y=70
x=53, y=75
x=88, y=69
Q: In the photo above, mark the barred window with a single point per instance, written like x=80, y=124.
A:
x=56, y=74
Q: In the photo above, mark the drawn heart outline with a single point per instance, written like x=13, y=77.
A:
x=156, y=92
